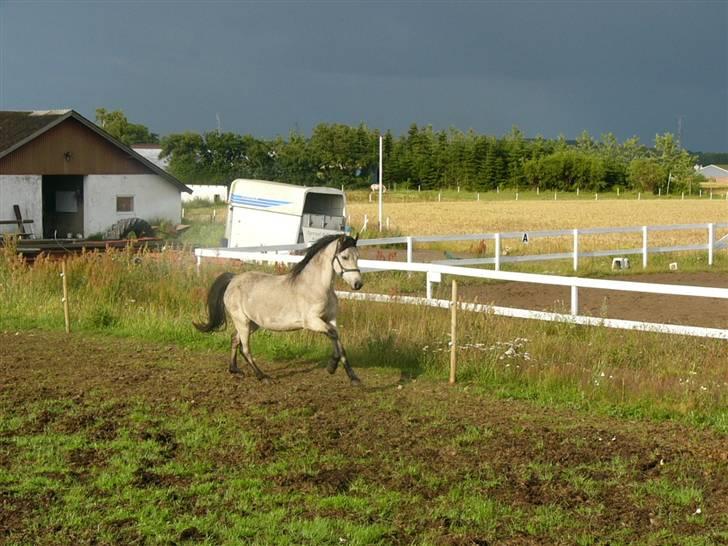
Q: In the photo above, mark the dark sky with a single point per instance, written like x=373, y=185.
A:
x=632, y=68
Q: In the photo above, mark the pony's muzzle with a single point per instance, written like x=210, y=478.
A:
x=357, y=285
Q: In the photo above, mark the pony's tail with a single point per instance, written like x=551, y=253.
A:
x=215, y=304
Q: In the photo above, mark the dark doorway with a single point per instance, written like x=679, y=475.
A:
x=62, y=206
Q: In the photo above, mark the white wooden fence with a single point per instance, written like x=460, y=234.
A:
x=710, y=245
x=435, y=270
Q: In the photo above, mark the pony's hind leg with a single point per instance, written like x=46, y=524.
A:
x=244, y=333
x=235, y=344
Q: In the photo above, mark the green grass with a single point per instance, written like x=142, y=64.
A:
x=166, y=476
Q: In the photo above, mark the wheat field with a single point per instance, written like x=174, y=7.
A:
x=458, y=217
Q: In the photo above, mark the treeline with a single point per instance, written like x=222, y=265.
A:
x=337, y=155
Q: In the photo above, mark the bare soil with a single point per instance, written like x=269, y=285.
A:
x=389, y=418
x=708, y=312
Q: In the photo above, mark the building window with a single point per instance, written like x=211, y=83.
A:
x=124, y=203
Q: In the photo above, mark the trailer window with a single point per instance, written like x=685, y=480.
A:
x=324, y=203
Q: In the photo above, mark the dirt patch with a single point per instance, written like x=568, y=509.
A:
x=708, y=312
x=521, y=455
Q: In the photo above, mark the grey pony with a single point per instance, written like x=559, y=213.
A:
x=304, y=298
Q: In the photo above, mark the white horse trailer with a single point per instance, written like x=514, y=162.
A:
x=273, y=213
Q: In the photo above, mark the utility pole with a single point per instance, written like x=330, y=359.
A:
x=381, y=181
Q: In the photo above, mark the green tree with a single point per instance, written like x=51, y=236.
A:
x=646, y=174
x=116, y=124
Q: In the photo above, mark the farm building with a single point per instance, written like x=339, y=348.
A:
x=210, y=192
x=69, y=176
x=713, y=173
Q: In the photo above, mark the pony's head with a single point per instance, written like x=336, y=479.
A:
x=346, y=261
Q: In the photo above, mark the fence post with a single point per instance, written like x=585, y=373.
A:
x=574, y=300
x=199, y=262
x=453, y=330
x=65, y=298
x=497, y=250
x=576, y=249
x=644, y=247
x=410, y=248
x=711, y=242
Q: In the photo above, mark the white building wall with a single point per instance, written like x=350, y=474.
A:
x=201, y=191
x=154, y=198
x=27, y=192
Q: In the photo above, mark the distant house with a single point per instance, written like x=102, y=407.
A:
x=713, y=173
x=214, y=193
x=71, y=177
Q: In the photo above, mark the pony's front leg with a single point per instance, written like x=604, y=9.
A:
x=336, y=357
x=330, y=330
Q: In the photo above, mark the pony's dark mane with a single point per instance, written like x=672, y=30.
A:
x=317, y=247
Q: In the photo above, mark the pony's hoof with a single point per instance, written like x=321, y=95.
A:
x=331, y=368
x=265, y=379
x=355, y=382
x=235, y=371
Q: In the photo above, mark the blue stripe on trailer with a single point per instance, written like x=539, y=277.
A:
x=257, y=201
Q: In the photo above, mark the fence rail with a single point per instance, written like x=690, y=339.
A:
x=498, y=258
x=435, y=270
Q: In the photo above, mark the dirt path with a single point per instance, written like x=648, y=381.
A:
x=707, y=312
x=393, y=418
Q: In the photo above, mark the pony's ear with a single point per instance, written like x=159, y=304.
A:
x=356, y=239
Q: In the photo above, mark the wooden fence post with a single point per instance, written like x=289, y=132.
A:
x=65, y=297
x=453, y=330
